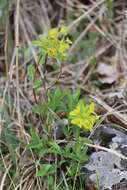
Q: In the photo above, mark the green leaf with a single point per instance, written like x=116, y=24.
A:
x=35, y=136
x=45, y=170
x=37, y=84
x=72, y=169
x=42, y=57
x=79, y=150
x=40, y=109
x=72, y=99
x=55, y=99
x=35, y=142
x=31, y=72
x=109, y=8
x=67, y=150
x=50, y=180
x=55, y=148
x=85, y=140
x=11, y=141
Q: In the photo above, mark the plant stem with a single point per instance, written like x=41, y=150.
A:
x=58, y=77
x=36, y=69
x=44, y=73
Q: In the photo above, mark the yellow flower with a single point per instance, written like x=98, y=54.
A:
x=63, y=30
x=63, y=46
x=68, y=41
x=77, y=121
x=83, y=116
x=52, y=52
x=75, y=112
x=53, y=33
x=55, y=44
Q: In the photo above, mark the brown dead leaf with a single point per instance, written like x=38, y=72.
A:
x=108, y=73
x=107, y=70
x=109, y=79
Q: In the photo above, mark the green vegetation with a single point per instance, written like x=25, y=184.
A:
x=55, y=156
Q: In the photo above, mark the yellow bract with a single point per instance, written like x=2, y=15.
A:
x=68, y=41
x=55, y=44
x=53, y=33
x=75, y=112
x=52, y=52
x=64, y=30
x=83, y=116
x=63, y=46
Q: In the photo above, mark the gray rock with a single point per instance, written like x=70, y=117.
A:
x=104, y=166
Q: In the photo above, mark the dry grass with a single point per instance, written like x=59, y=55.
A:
x=27, y=19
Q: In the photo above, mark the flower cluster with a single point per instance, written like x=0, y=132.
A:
x=83, y=116
x=55, y=44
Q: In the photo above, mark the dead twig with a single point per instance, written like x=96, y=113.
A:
x=109, y=111
x=17, y=58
